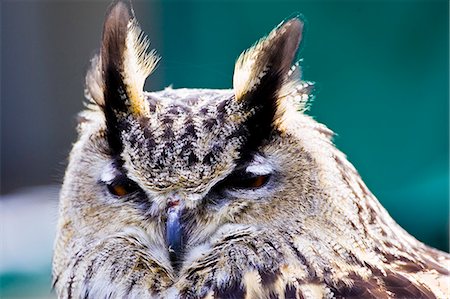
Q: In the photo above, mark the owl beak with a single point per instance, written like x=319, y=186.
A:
x=174, y=232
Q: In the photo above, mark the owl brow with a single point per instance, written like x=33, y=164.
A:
x=247, y=169
x=259, y=166
x=113, y=170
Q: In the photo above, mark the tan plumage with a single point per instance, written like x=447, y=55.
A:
x=199, y=193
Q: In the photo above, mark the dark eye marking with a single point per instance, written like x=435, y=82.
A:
x=242, y=180
x=248, y=181
x=121, y=186
x=117, y=183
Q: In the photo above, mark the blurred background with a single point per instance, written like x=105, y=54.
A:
x=382, y=74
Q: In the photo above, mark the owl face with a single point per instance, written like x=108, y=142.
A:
x=163, y=177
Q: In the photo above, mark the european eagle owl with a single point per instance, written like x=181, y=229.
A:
x=208, y=193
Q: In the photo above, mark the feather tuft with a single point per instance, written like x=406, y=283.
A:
x=272, y=54
x=94, y=83
x=139, y=63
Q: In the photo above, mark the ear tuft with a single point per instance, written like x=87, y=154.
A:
x=294, y=92
x=271, y=57
x=117, y=75
x=94, y=84
x=138, y=65
x=115, y=81
x=125, y=60
x=263, y=78
x=139, y=61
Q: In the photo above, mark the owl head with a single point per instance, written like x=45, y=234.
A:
x=157, y=181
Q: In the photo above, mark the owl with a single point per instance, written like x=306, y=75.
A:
x=208, y=193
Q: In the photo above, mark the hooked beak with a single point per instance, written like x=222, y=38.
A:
x=174, y=232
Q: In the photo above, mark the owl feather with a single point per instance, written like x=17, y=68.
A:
x=207, y=193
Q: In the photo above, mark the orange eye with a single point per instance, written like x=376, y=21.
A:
x=122, y=186
x=118, y=190
x=258, y=181
x=251, y=182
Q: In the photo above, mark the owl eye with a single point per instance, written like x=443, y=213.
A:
x=247, y=181
x=117, y=183
x=122, y=186
x=251, y=182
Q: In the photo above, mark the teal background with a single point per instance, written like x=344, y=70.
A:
x=382, y=84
